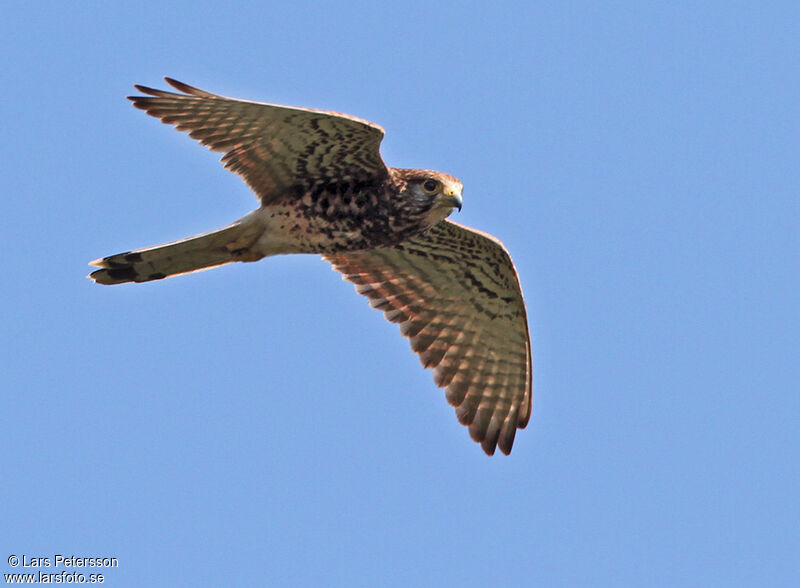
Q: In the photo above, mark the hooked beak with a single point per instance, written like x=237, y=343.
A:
x=452, y=197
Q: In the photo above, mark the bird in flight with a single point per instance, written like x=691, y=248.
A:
x=324, y=189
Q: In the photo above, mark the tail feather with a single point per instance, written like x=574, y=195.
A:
x=208, y=250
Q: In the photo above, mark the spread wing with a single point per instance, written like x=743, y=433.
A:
x=274, y=148
x=455, y=293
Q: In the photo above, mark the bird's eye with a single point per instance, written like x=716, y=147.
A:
x=430, y=186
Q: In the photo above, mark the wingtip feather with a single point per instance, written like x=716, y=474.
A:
x=187, y=89
x=147, y=89
x=178, y=85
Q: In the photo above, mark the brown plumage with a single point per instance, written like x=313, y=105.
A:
x=324, y=189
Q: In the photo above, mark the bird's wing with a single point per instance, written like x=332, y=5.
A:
x=455, y=293
x=274, y=148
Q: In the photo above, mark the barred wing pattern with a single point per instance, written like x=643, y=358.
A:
x=273, y=148
x=455, y=293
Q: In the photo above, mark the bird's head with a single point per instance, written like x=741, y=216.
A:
x=433, y=194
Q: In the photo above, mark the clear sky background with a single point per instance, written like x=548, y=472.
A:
x=259, y=424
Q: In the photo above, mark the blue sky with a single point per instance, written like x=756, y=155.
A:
x=259, y=424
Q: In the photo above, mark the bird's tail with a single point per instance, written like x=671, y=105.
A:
x=231, y=243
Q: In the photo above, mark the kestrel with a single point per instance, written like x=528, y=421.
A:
x=325, y=189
